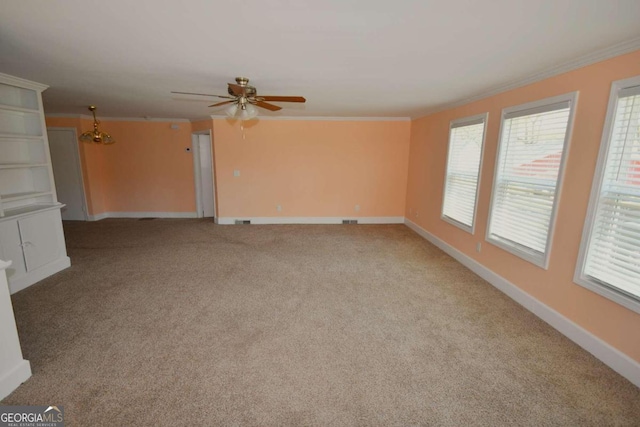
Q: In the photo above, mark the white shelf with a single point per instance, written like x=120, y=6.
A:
x=18, y=109
x=29, y=210
x=24, y=210
x=21, y=196
x=22, y=165
x=21, y=136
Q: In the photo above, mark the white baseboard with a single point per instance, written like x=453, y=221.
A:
x=104, y=215
x=612, y=357
x=20, y=283
x=263, y=220
x=11, y=380
x=98, y=217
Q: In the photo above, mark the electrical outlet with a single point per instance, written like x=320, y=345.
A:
x=478, y=247
x=279, y=208
x=357, y=208
x=236, y=172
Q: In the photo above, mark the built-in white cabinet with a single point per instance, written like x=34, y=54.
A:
x=30, y=224
x=14, y=370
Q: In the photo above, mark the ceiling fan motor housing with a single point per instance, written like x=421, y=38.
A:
x=249, y=91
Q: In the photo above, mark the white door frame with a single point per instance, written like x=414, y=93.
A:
x=78, y=166
x=197, y=173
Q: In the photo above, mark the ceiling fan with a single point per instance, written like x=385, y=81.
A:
x=242, y=98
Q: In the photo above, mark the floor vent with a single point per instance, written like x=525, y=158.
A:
x=242, y=221
x=349, y=221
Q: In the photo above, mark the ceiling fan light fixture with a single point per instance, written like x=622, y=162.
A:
x=241, y=110
x=231, y=110
x=248, y=112
x=96, y=135
x=243, y=100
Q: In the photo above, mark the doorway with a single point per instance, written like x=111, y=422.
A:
x=65, y=160
x=204, y=174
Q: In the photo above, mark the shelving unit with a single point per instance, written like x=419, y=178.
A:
x=27, y=192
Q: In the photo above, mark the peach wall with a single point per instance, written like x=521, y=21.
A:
x=554, y=287
x=311, y=168
x=146, y=170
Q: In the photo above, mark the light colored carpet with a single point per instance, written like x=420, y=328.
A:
x=183, y=322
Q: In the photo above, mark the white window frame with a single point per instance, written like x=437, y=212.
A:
x=517, y=250
x=580, y=278
x=465, y=121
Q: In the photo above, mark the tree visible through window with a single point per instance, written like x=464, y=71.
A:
x=611, y=252
x=532, y=145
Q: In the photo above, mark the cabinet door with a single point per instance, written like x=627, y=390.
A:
x=40, y=241
x=10, y=249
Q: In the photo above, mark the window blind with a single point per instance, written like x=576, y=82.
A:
x=463, y=168
x=527, y=171
x=613, y=251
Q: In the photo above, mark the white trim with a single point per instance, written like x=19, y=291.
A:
x=16, y=376
x=68, y=116
x=98, y=217
x=200, y=119
x=78, y=162
x=454, y=124
x=17, y=81
x=197, y=170
x=574, y=64
x=117, y=119
x=220, y=116
x=579, y=276
x=531, y=257
x=23, y=282
x=311, y=220
x=323, y=119
x=104, y=215
x=610, y=356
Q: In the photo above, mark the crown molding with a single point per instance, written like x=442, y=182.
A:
x=324, y=118
x=116, y=119
x=201, y=119
x=68, y=116
x=17, y=81
x=574, y=64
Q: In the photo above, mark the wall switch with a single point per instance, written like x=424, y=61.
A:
x=357, y=208
x=478, y=247
x=236, y=173
x=279, y=208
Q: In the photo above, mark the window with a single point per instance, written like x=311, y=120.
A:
x=609, y=261
x=533, y=141
x=466, y=137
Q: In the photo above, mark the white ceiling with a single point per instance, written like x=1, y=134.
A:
x=349, y=58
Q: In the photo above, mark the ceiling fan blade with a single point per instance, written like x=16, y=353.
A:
x=236, y=89
x=221, y=103
x=268, y=106
x=283, y=98
x=203, y=94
